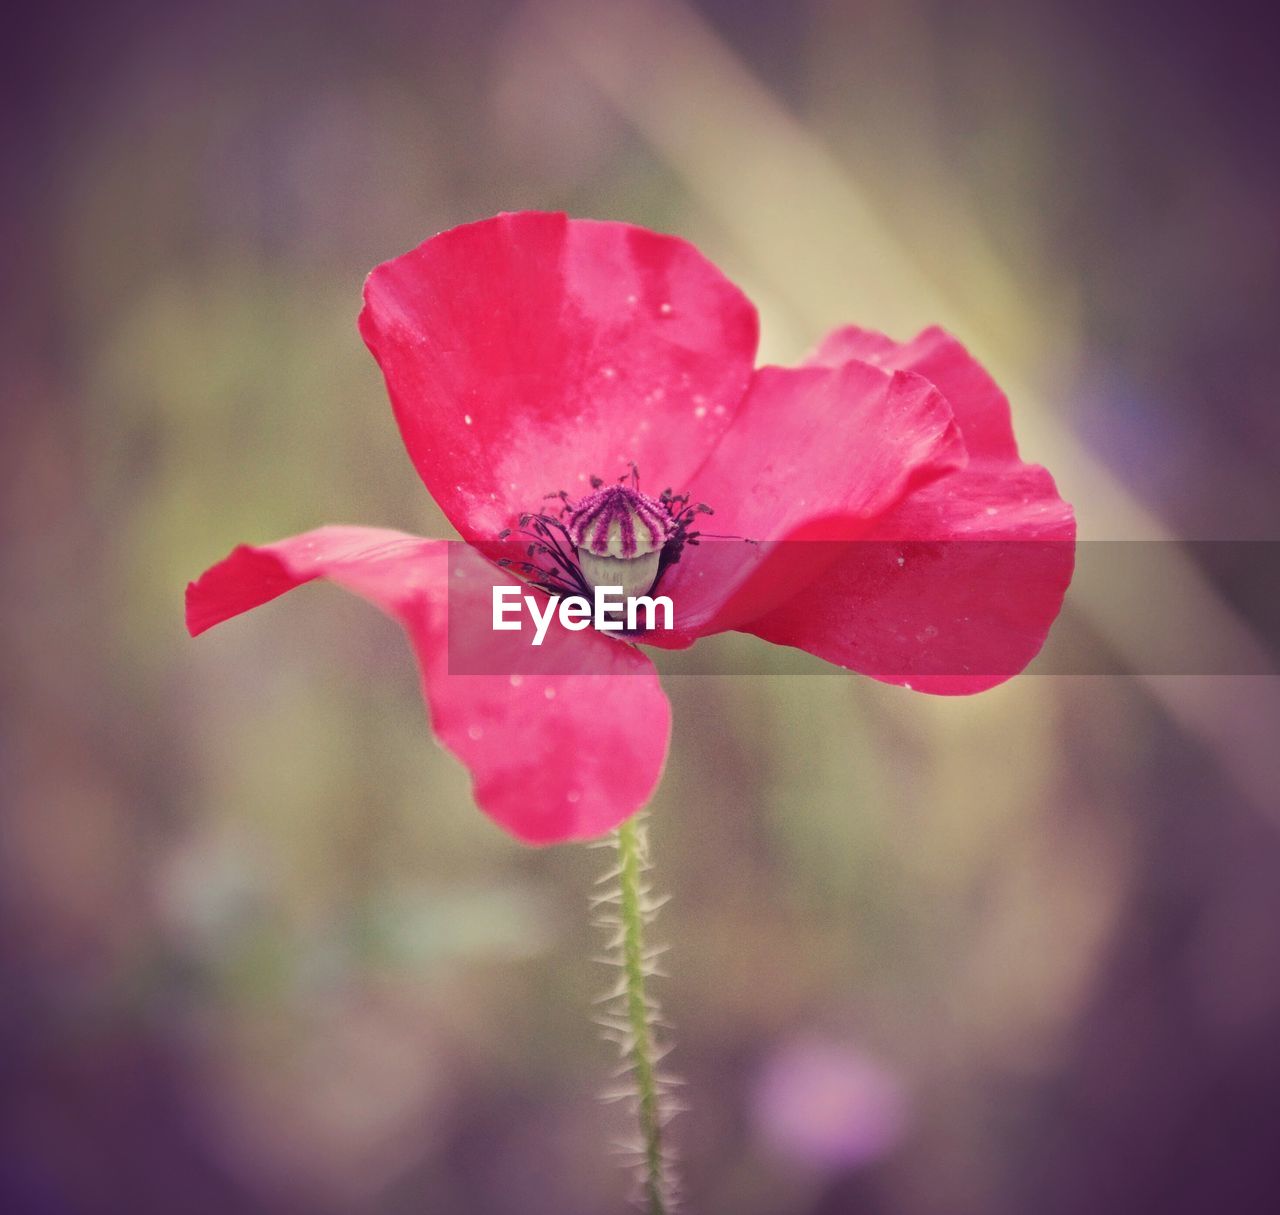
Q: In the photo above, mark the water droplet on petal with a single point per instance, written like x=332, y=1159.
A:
x=517, y=680
x=475, y=733
x=549, y=693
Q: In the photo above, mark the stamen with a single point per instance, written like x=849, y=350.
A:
x=615, y=536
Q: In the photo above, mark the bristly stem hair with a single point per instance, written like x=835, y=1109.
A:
x=631, y=1015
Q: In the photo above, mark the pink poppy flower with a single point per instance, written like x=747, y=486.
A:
x=891, y=527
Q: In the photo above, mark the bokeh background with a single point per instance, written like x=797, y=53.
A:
x=261, y=954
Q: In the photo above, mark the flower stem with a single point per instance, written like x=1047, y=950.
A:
x=631, y=1019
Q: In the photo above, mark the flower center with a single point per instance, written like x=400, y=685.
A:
x=619, y=534
x=615, y=536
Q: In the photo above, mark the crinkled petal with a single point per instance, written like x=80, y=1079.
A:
x=528, y=352
x=816, y=454
x=563, y=741
x=955, y=589
x=981, y=408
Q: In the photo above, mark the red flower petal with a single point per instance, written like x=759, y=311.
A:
x=528, y=352
x=814, y=454
x=955, y=589
x=565, y=749
x=980, y=407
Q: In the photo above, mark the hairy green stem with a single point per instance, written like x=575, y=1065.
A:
x=632, y=860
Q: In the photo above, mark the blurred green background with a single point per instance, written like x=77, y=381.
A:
x=261, y=953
